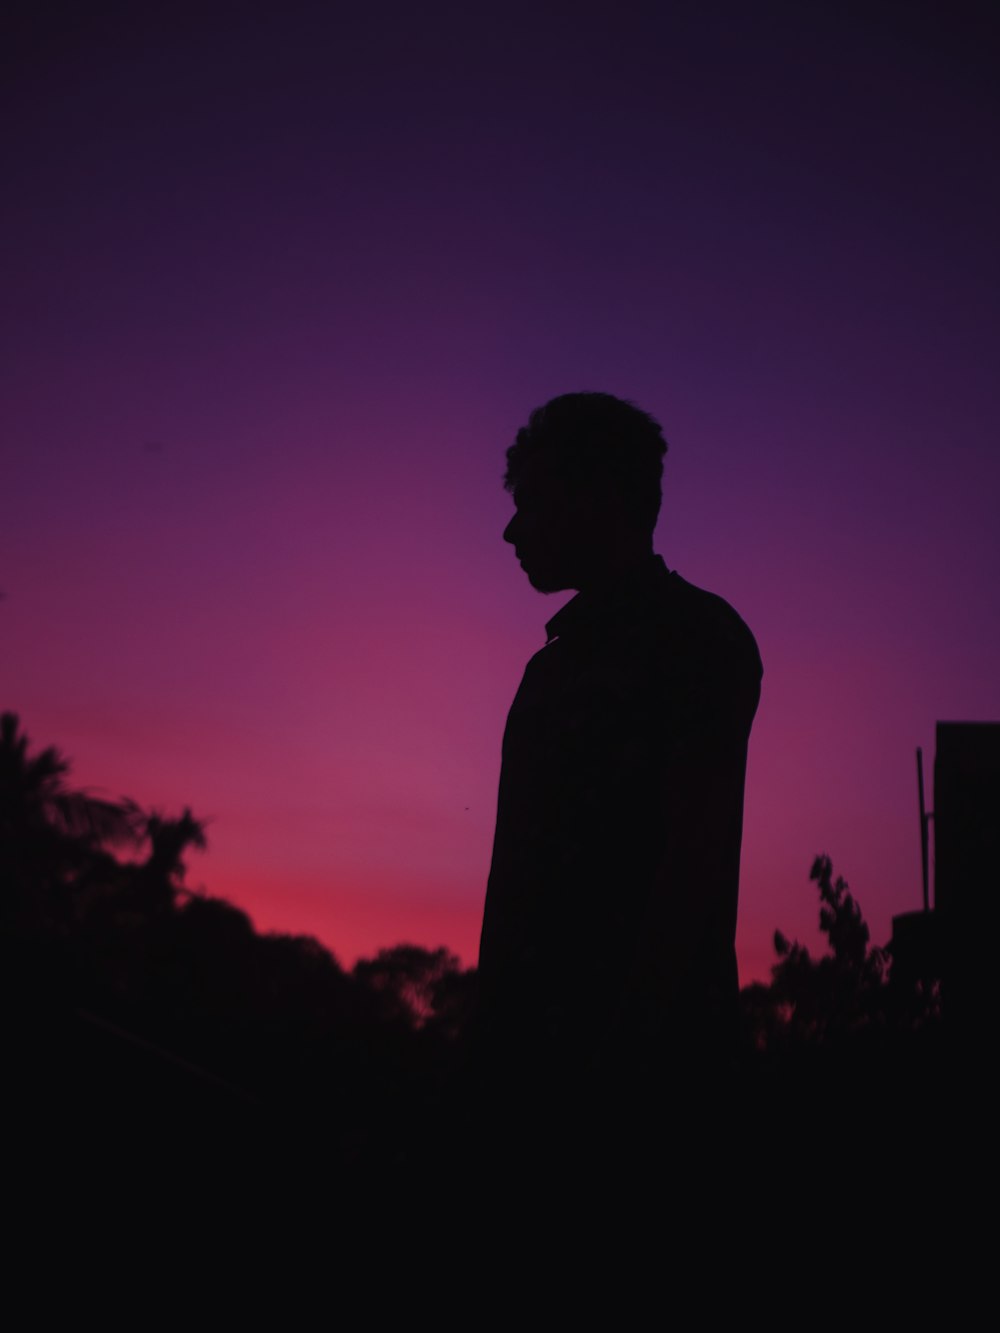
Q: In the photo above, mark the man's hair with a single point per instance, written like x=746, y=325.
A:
x=596, y=442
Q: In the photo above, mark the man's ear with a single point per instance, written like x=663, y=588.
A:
x=608, y=511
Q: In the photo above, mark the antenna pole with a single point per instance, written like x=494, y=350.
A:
x=923, y=827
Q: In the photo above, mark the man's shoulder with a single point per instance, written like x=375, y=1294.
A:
x=709, y=652
x=705, y=616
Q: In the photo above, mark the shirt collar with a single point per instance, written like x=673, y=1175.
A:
x=589, y=611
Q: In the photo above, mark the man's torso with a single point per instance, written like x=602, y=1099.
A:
x=608, y=720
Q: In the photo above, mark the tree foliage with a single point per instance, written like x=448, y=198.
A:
x=819, y=1000
x=96, y=935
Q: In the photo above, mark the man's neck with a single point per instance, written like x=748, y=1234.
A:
x=611, y=571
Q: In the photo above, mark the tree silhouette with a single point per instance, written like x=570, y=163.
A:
x=53, y=839
x=410, y=980
x=131, y=989
x=161, y=877
x=817, y=1000
x=34, y=798
x=170, y=839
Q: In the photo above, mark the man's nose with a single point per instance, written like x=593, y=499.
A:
x=510, y=532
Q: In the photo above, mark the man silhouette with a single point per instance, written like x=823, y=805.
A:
x=607, y=945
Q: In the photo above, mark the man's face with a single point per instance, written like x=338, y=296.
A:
x=552, y=530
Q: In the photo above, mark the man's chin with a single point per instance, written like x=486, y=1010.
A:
x=542, y=582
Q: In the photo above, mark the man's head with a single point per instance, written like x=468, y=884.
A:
x=585, y=475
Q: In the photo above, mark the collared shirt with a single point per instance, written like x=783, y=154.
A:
x=611, y=903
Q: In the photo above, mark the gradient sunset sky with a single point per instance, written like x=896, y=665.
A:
x=281, y=281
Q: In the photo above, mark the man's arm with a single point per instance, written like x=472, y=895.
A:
x=680, y=988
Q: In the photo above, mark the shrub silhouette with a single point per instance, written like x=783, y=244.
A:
x=818, y=1000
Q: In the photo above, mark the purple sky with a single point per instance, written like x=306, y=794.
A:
x=280, y=283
